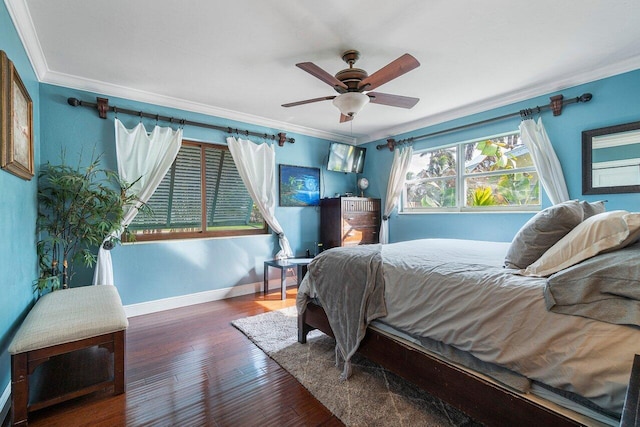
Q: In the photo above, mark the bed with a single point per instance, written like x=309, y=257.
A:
x=548, y=340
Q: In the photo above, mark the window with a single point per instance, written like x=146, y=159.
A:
x=488, y=174
x=202, y=195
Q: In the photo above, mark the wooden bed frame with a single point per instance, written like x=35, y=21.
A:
x=482, y=400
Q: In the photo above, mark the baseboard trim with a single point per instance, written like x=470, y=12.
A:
x=5, y=404
x=149, y=307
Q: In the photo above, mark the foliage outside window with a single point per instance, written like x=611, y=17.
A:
x=202, y=195
x=488, y=174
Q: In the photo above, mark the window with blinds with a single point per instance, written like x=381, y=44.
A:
x=202, y=195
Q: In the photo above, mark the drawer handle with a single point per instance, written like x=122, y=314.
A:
x=350, y=219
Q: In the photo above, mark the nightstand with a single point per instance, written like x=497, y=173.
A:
x=300, y=264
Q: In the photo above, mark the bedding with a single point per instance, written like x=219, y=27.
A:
x=542, y=231
x=349, y=313
x=590, y=209
x=605, y=287
x=456, y=292
x=607, y=231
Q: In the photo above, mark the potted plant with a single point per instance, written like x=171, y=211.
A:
x=78, y=207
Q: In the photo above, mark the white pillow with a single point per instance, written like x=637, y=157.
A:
x=607, y=231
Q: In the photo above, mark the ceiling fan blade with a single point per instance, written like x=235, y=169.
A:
x=394, y=69
x=345, y=118
x=321, y=74
x=308, y=101
x=392, y=100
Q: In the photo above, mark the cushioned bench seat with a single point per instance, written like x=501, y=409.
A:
x=60, y=323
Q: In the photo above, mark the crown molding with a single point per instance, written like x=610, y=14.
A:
x=21, y=17
x=588, y=76
x=23, y=23
x=107, y=89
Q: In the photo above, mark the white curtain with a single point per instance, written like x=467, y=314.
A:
x=401, y=161
x=256, y=164
x=145, y=158
x=535, y=138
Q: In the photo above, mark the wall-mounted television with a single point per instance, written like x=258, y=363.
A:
x=346, y=158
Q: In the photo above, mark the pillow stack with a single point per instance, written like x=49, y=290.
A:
x=541, y=232
x=568, y=233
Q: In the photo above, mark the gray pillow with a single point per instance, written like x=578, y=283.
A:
x=605, y=287
x=590, y=209
x=541, y=232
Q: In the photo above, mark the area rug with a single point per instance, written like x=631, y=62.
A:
x=372, y=396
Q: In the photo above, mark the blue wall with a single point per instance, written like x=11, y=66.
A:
x=154, y=270
x=18, y=265
x=615, y=101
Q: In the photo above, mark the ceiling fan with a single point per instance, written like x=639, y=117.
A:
x=354, y=85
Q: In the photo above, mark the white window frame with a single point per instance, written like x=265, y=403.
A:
x=460, y=178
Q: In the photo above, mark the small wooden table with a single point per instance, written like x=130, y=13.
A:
x=300, y=264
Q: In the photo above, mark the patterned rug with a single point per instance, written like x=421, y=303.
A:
x=371, y=397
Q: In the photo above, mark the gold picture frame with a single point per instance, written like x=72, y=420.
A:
x=16, y=122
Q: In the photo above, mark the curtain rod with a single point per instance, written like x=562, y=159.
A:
x=103, y=107
x=555, y=105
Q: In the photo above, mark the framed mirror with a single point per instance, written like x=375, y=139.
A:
x=611, y=159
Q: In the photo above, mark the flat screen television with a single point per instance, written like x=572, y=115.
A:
x=346, y=158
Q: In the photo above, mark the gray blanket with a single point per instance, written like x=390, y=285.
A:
x=349, y=285
x=605, y=287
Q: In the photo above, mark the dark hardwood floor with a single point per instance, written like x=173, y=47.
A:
x=190, y=367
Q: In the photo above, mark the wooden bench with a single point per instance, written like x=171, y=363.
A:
x=83, y=326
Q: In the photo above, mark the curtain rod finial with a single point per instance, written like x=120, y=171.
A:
x=585, y=97
x=74, y=102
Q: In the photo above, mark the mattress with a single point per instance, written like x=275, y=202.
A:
x=535, y=392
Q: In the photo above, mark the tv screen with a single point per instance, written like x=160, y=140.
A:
x=346, y=158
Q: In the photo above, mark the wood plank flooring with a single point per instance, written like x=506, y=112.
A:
x=190, y=367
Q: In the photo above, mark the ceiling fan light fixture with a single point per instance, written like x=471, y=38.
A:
x=351, y=103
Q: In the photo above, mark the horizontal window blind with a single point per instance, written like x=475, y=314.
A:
x=228, y=201
x=177, y=203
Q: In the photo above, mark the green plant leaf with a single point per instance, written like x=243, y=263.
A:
x=77, y=208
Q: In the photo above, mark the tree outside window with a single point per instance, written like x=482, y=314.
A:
x=497, y=174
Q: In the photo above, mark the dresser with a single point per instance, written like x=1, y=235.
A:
x=348, y=221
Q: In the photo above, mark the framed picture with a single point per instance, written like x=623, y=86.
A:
x=16, y=122
x=611, y=159
x=299, y=186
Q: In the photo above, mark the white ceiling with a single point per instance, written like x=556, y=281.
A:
x=236, y=59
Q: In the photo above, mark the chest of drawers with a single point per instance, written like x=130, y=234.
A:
x=347, y=221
